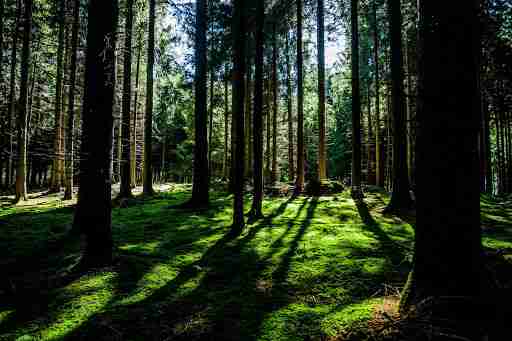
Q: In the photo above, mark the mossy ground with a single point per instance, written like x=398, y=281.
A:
x=315, y=268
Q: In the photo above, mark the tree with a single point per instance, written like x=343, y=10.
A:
x=256, y=212
x=56, y=179
x=238, y=113
x=400, y=197
x=68, y=194
x=93, y=211
x=291, y=168
x=448, y=211
x=356, y=104
x=299, y=183
x=322, y=163
x=125, y=188
x=275, y=101
x=21, y=174
x=201, y=184
x=147, y=183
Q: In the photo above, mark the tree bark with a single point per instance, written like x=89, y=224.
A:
x=93, y=212
x=400, y=196
x=256, y=211
x=239, y=36
x=68, y=193
x=291, y=162
x=448, y=211
x=21, y=174
x=133, y=158
x=147, y=183
x=210, y=128
x=200, y=187
x=299, y=184
x=225, y=164
x=275, y=101
x=322, y=163
x=356, y=104
x=125, y=186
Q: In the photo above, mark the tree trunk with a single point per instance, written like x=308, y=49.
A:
x=400, y=196
x=225, y=164
x=299, y=184
x=256, y=212
x=133, y=158
x=200, y=188
x=291, y=162
x=21, y=174
x=356, y=104
x=275, y=92
x=12, y=94
x=379, y=169
x=239, y=36
x=125, y=187
x=93, y=212
x=448, y=211
x=147, y=188
x=322, y=163
x=68, y=194
x=56, y=180
x=210, y=128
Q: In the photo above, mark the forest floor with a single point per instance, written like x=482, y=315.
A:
x=316, y=268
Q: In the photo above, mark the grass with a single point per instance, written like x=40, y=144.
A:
x=315, y=268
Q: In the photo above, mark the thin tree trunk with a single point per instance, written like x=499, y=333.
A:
x=68, y=194
x=322, y=163
x=125, y=186
x=356, y=105
x=239, y=36
x=210, y=128
x=371, y=140
x=21, y=174
x=225, y=163
x=148, y=119
x=273, y=176
x=93, y=211
x=133, y=158
x=299, y=184
x=268, y=131
x=201, y=183
x=291, y=162
x=379, y=169
x=256, y=211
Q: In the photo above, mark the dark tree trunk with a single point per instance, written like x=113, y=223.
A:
x=322, y=163
x=299, y=184
x=68, y=194
x=21, y=174
x=210, y=127
x=147, y=183
x=291, y=162
x=258, y=114
x=93, y=212
x=56, y=179
x=356, y=104
x=225, y=164
x=4, y=120
x=238, y=112
x=400, y=196
x=379, y=169
x=448, y=211
x=200, y=188
x=125, y=186
x=273, y=174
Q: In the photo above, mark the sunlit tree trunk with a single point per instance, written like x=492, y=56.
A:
x=322, y=163
x=133, y=158
x=275, y=101
x=379, y=169
x=147, y=183
x=225, y=164
x=356, y=104
x=291, y=162
x=93, y=211
x=68, y=193
x=21, y=174
x=210, y=128
x=299, y=184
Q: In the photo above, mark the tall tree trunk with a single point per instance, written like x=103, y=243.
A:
x=68, y=194
x=225, y=164
x=56, y=180
x=239, y=36
x=210, y=128
x=275, y=92
x=3, y=125
x=448, y=210
x=200, y=188
x=256, y=212
x=93, y=212
x=133, y=158
x=125, y=187
x=147, y=185
x=356, y=105
x=400, y=196
x=379, y=169
x=21, y=174
x=12, y=94
x=299, y=184
x=371, y=146
x=322, y=163
x=291, y=162
x=267, y=130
